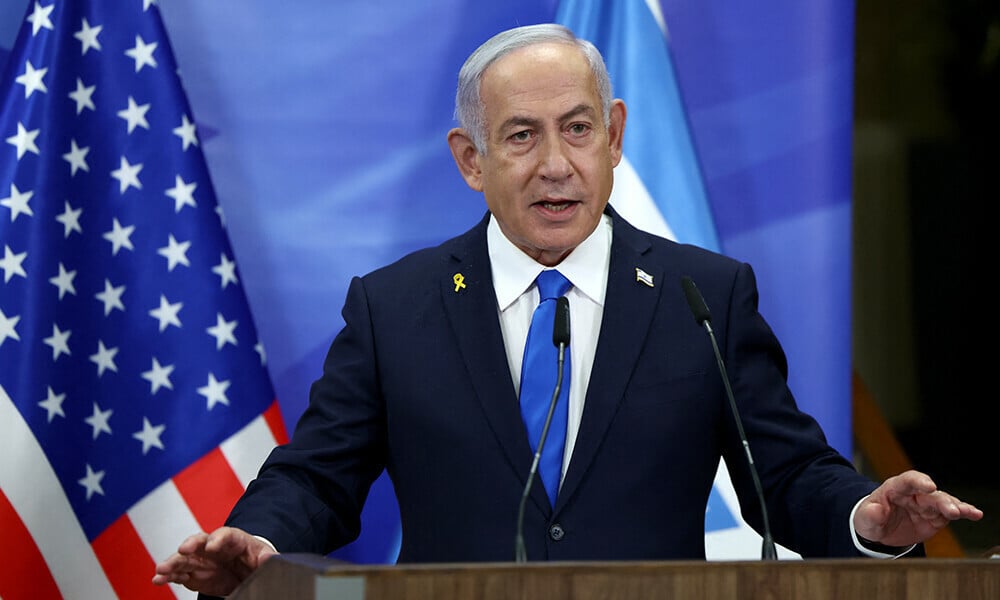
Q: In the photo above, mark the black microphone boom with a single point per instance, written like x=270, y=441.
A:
x=704, y=317
x=560, y=337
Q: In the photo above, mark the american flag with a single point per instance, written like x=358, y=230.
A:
x=135, y=405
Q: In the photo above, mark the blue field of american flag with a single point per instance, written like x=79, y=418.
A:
x=135, y=405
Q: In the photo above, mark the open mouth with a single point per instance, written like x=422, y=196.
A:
x=556, y=206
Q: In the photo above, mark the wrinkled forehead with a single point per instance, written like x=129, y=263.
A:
x=537, y=73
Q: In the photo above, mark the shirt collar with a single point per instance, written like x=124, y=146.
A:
x=586, y=266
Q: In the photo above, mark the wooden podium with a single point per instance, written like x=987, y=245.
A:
x=310, y=577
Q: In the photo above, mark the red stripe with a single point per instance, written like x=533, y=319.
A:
x=23, y=572
x=127, y=563
x=210, y=488
x=277, y=424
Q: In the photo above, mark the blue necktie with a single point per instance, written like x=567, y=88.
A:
x=539, y=370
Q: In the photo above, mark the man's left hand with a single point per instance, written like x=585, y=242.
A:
x=908, y=509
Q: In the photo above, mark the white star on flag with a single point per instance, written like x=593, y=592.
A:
x=70, y=218
x=59, y=341
x=32, y=80
x=83, y=96
x=92, y=482
x=142, y=53
x=76, y=157
x=17, y=202
x=88, y=36
x=64, y=281
x=135, y=115
x=149, y=435
x=226, y=270
x=53, y=405
x=8, y=327
x=111, y=297
x=40, y=18
x=99, y=421
x=186, y=131
x=11, y=264
x=120, y=237
x=175, y=252
x=222, y=331
x=182, y=193
x=104, y=358
x=127, y=175
x=24, y=140
x=166, y=314
x=215, y=391
x=158, y=376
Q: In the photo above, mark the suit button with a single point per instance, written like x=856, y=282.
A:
x=556, y=532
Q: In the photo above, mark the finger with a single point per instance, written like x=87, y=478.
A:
x=180, y=578
x=932, y=505
x=910, y=483
x=226, y=541
x=970, y=511
x=949, y=506
x=193, y=543
x=176, y=563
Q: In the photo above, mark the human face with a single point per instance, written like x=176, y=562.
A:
x=548, y=166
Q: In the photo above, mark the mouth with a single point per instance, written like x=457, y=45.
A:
x=555, y=206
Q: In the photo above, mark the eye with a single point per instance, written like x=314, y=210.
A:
x=521, y=136
x=579, y=128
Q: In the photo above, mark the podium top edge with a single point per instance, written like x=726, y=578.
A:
x=327, y=565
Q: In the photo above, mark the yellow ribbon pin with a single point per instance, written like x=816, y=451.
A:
x=459, y=280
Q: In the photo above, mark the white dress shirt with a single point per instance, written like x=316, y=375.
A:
x=514, y=274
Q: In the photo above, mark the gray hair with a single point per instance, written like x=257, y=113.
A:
x=469, y=110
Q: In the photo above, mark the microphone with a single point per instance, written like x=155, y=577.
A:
x=704, y=317
x=560, y=337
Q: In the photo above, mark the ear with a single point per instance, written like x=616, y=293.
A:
x=463, y=150
x=616, y=130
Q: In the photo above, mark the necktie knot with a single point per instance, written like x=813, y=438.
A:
x=551, y=284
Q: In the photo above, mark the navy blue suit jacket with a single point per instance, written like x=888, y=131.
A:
x=417, y=383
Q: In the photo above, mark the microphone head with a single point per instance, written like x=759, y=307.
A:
x=695, y=301
x=560, y=329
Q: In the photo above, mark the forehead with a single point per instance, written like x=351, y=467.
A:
x=538, y=77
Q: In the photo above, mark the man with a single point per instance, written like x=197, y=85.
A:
x=424, y=380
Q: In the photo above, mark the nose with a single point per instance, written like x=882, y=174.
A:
x=554, y=163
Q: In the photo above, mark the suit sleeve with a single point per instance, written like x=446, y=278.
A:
x=810, y=489
x=309, y=493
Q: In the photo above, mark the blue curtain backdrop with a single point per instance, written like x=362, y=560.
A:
x=324, y=128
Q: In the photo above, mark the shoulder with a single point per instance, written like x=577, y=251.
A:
x=674, y=256
x=427, y=265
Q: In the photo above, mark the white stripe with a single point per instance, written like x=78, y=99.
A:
x=654, y=7
x=162, y=519
x=736, y=543
x=32, y=487
x=247, y=449
x=631, y=199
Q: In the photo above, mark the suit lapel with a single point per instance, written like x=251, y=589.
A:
x=469, y=301
x=629, y=307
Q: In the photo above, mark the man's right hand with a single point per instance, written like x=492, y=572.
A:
x=214, y=564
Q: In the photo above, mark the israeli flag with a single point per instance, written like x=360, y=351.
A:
x=659, y=185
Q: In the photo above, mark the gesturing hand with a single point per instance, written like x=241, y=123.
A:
x=214, y=564
x=908, y=509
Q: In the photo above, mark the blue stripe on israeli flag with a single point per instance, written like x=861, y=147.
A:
x=658, y=186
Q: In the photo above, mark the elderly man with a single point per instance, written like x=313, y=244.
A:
x=431, y=379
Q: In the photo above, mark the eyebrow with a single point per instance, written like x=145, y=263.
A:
x=579, y=109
